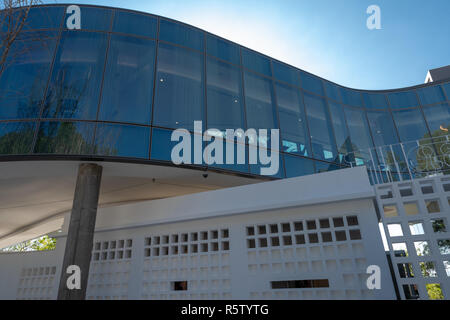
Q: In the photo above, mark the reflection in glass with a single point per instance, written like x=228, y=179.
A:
x=382, y=127
x=128, y=84
x=256, y=168
x=374, y=100
x=297, y=166
x=410, y=125
x=180, y=34
x=256, y=62
x=23, y=81
x=285, y=73
x=430, y=95
x=385, y=137
x=162, y=145
x=76, y=78
x=135, y=23
x=438, y=119
x=343, y=140
x=311, y=83
x=446, y=87
x=222, y=49
x=351, y=97
x=16, y=137
x=224, y=96
x=235, y=165
x=322, y=138
x=95, y=18
x=325, y=166
x=294, y=130
x=179, y=88
x=332, y=91
x=122, y=140
x=406, y=99
x=259, y=98
x=65, y=138
x=44, y=18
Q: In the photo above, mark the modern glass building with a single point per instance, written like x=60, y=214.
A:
x=112, y=93
x=116, y=88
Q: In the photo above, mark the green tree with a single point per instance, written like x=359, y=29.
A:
x=434, y=291
x=43, y=243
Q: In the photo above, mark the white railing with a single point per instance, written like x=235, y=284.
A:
x=404, y=161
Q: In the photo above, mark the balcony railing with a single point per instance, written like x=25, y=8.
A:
x=404, y=161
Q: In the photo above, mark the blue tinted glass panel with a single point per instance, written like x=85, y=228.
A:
x=180, y=34
x=23, y=81
x=179, y=88
x=93, y=19
x=311, y=83
x=16, y=137
x=276, y=163
x=234, y=166
x=359, y=129
x=285, y=73
x=320, y=128
x=256, y=62
x=351, y=97
x=438, y=119
x=294, y=130
x=162, y=146
x=37, y=18
x=410, y=125
x=332, y=91
x=122, y=141
x=224, y=96
x=65, y=137
x=44, y=18
x=297, y=166
x=431, y=95
x=259, y=98
x=374, y=100
x=446, y=87
x=74, y=88
x=343, y=140
x=128, y=84
x=405, y=99
x=382, y=128
x=222, y=49
x=325, y=167
x=135, y=23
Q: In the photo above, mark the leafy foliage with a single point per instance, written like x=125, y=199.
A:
x=43, y=243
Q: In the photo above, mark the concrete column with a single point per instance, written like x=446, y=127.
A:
x=81, y=230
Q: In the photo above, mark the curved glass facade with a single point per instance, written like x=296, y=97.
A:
x=118, y=87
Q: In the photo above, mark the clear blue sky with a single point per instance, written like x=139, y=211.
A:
x=326, y=37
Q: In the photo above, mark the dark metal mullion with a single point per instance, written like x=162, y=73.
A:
x=102, y=83
x=155, y=72
x=303, y=108
x=420, y=107
x=44, y=98
x=447, y=97
x=277, y=114
x=399, y=139
x=307, y=122
x=205, y=97
x=364, y=110
x=244, y=99
x=327, y=106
